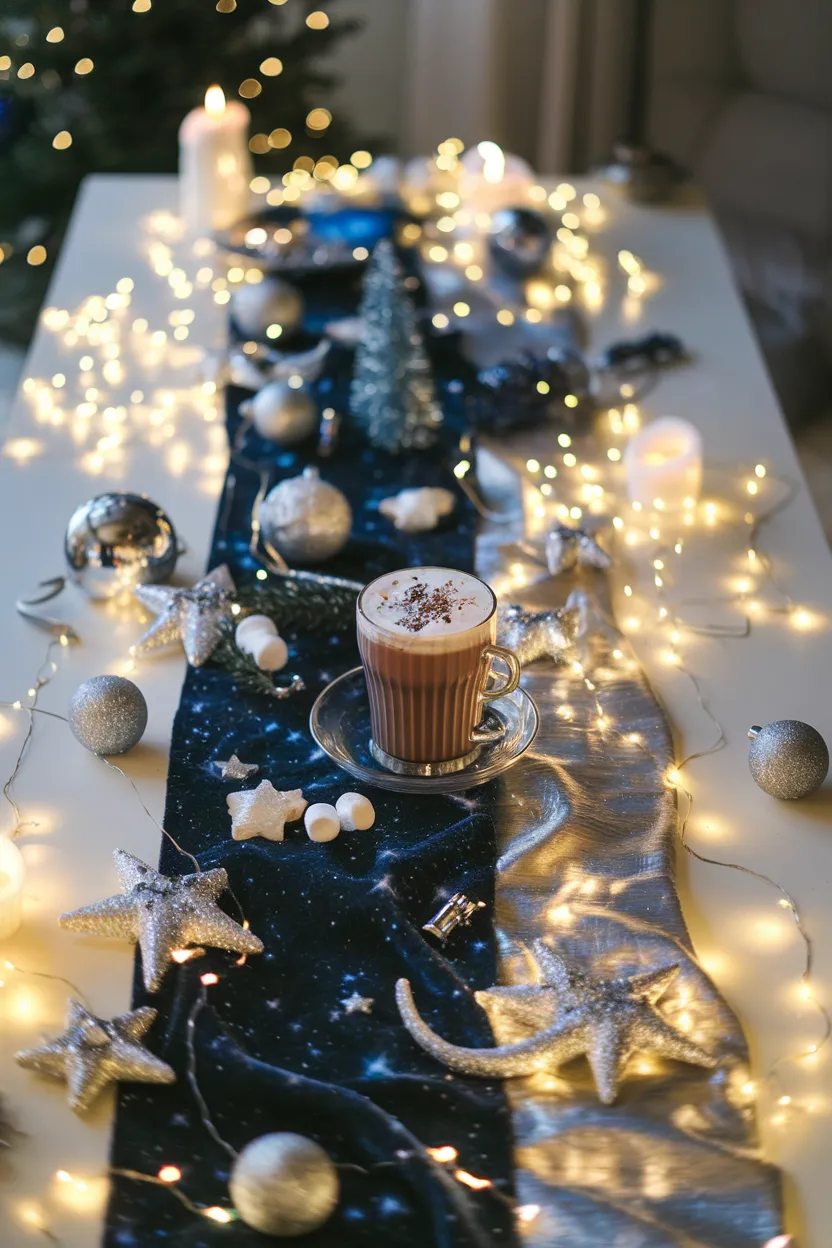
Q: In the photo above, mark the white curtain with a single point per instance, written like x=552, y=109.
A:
x=588, y=48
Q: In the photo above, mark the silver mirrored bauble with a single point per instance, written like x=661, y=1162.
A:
x=518, y=241
x=305, y=519
x=788, y=759
x=284, y=1184
x=117, y=541
x=270, y=302
x=282, y=414
x=108, y=714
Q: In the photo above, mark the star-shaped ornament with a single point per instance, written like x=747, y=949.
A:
x=234, y=769
x=93, y=1052
x=163, y=913
x=356, y=1004
x=418, y=510
x=567, y=548
x=567, y=1015
x=264, y=811
x=194, y=617
x=542, y=634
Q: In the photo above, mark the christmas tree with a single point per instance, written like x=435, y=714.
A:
x=101, y=86
x=393, y=398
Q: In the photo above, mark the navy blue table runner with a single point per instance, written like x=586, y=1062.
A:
x=274, y=1048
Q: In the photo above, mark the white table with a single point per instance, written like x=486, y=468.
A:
x=84, y=811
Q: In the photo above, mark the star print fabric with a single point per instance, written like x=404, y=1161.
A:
x=275, y=1049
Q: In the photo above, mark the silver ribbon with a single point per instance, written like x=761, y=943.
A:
x=586, y=828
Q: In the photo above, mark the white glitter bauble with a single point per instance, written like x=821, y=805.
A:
x=306, y=519
x=322, y=822
x=108, y=714
x=284, y=1184
x=282, y=414
x=270, y=302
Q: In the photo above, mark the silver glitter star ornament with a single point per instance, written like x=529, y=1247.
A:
x=566, y=1015
x=234, y=769
x=192, y=616
x=568, y=548
x=356, y=1004
x=93, y=1052
x=264, y=811
x=541, y=634
x=163, y=913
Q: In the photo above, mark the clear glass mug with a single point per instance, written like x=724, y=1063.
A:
x=427, y=692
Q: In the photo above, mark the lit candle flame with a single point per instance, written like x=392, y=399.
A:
x=215, y=101
x=494, y=162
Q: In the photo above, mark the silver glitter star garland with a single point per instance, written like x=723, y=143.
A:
x=92, y=1052
x=569, y=1015
x=194, y=617
x=163, y=914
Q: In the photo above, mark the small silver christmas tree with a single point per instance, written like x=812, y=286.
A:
x=393, y=397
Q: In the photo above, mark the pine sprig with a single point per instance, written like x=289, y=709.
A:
x=302, y=602
x=245, y=673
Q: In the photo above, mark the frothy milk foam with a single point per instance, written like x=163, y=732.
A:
x=417, y=603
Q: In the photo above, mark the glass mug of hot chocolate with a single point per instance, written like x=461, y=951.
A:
x=427, y=641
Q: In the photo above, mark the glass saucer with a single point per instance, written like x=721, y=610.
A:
x=340, y=723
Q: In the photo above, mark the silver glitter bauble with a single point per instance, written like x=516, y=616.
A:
x=270, y=302
x=282, y=414
x=108, y=714
x=118, y=541
x=519, y=240
x=306, y=519
x=284, y=1184
x=788, y=759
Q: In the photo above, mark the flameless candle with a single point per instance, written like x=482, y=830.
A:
x=664, y=462
x=492, y=180
x=214, y=164
x=11, y=887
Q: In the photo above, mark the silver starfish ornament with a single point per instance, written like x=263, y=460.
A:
x=541, y=634
x=192, y=616
x=567, y=548
x=234, y=769
x=568, y=1015
x=264, y=811
x=163, y=913
x=93, y=1052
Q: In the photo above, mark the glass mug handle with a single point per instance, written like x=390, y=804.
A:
x=482, y=734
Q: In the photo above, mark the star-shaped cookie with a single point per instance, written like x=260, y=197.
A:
x=93, y=1052
x=163, y=913
x=263, y=811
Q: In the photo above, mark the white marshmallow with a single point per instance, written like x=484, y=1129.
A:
x=253, y=624
x=269, y=653
x=322, y=822
x=356, y=812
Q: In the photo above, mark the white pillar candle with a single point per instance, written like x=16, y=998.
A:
x=11, y=888
x=214, y=164
x=492, y=180
x=663, y=464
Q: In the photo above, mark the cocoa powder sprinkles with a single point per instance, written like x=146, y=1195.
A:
x=420, y=605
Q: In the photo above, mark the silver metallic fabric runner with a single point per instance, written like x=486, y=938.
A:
x=587, y=828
